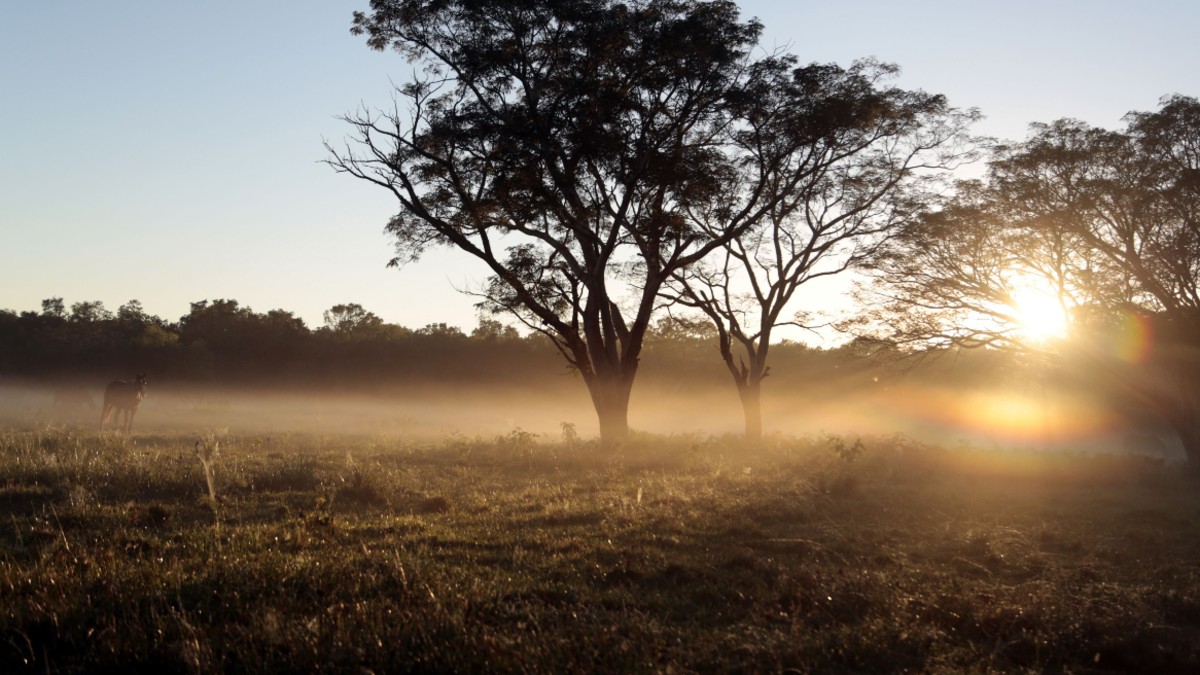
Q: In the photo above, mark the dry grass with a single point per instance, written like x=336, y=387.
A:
x=344, y=553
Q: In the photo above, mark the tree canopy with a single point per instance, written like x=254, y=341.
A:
x=588, y=151
x=1107, y=223
x=872, y=157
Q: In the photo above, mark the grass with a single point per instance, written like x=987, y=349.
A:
x=170, y=553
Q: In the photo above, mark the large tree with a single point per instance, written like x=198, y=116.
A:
x=564, y=144
x=871, y=157
x=1106, y=223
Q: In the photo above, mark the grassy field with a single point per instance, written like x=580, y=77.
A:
x=238, y=553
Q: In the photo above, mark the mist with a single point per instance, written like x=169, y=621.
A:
x=1031, y=417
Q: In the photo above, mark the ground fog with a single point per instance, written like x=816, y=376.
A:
x=1031, y=417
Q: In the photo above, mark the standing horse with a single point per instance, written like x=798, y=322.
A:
x=123, y=397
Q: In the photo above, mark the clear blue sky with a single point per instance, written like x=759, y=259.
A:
x=170, y=152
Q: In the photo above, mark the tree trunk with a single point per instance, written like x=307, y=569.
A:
x=751, y=394
x=611, y=400
x=748, y=380
x=614, y=424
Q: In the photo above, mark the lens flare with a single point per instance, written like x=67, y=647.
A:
x=1040, y=315
x=1006, y=417
x=1134, y=338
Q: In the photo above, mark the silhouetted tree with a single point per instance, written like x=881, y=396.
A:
x=132, y=313
x=276, y=350
x=278, y=337
x=561, y=143
x=54, y=307
x=10, y=344
x=869, y=159
x=441, y=330
x=352, y=319
x=1108, y=222
x=217, y=323
x=86, y=312
x=492, y=330
x=223, y=337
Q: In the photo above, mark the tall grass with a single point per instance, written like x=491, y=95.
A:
x=518, y=553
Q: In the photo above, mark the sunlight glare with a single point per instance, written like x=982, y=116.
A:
x=1039, y=314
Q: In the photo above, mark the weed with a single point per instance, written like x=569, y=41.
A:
x=518, y=443
x=358, y=488
x=570, y=437
x=845, y=453
x=207, y=450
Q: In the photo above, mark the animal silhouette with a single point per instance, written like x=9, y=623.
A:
x=123, y=397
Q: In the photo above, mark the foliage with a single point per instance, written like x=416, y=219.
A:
x=587, y=151
x=846, y=453
x=871, y=159
x=52, y=342
x=1104, y=218
x=1108, y=222
x=352, y=320
x=223, y=341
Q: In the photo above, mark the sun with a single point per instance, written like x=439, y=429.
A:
x=1039, y=315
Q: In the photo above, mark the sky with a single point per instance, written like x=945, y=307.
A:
x=172, y=152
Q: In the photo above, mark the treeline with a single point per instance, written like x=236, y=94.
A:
x=222, y=342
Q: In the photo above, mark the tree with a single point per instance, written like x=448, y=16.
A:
x=132, y=313
x=491, y=330
x=1107, y=223
x=870, y=156
x=225, y=338
x=87, y=312
x=217, y=323
x=54, y=307
x=352, y=319
x=564, y=145
x=278, y=335
x=441, y=331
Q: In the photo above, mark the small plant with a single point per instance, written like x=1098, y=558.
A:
x=570, y=436
x=207, y=449
x=846, y=453
x=358, y=487
x=518, y=442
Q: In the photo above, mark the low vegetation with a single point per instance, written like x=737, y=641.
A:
x=228, y=553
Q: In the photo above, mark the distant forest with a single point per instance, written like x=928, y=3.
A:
x=222, y=342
